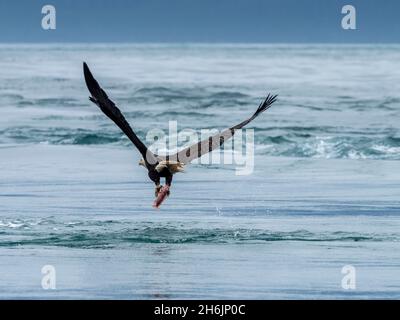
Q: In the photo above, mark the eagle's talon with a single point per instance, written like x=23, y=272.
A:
x=157, y=190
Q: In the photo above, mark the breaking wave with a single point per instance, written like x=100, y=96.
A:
x=288, y=142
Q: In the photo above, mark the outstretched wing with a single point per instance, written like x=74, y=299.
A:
x=100, y=98
x=205, y=146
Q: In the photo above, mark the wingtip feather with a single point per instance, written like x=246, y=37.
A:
x=269, y=100
x=91, y=83
x=86, y=71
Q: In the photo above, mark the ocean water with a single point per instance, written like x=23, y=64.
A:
x=324, y=193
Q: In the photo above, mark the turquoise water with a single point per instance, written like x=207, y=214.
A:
x=324, y=192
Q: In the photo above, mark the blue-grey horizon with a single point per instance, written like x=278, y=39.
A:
x=177, y=21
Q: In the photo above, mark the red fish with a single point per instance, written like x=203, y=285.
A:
x=161, y=196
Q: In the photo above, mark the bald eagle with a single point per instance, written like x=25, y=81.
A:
x=163, y=166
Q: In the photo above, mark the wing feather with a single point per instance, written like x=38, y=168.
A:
x=100, y=98
x=205, y=146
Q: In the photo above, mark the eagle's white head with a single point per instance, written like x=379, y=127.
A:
x=172, y=166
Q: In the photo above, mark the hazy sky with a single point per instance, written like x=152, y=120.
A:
x=200, y=21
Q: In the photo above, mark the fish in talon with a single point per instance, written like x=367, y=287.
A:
x=162, y=195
